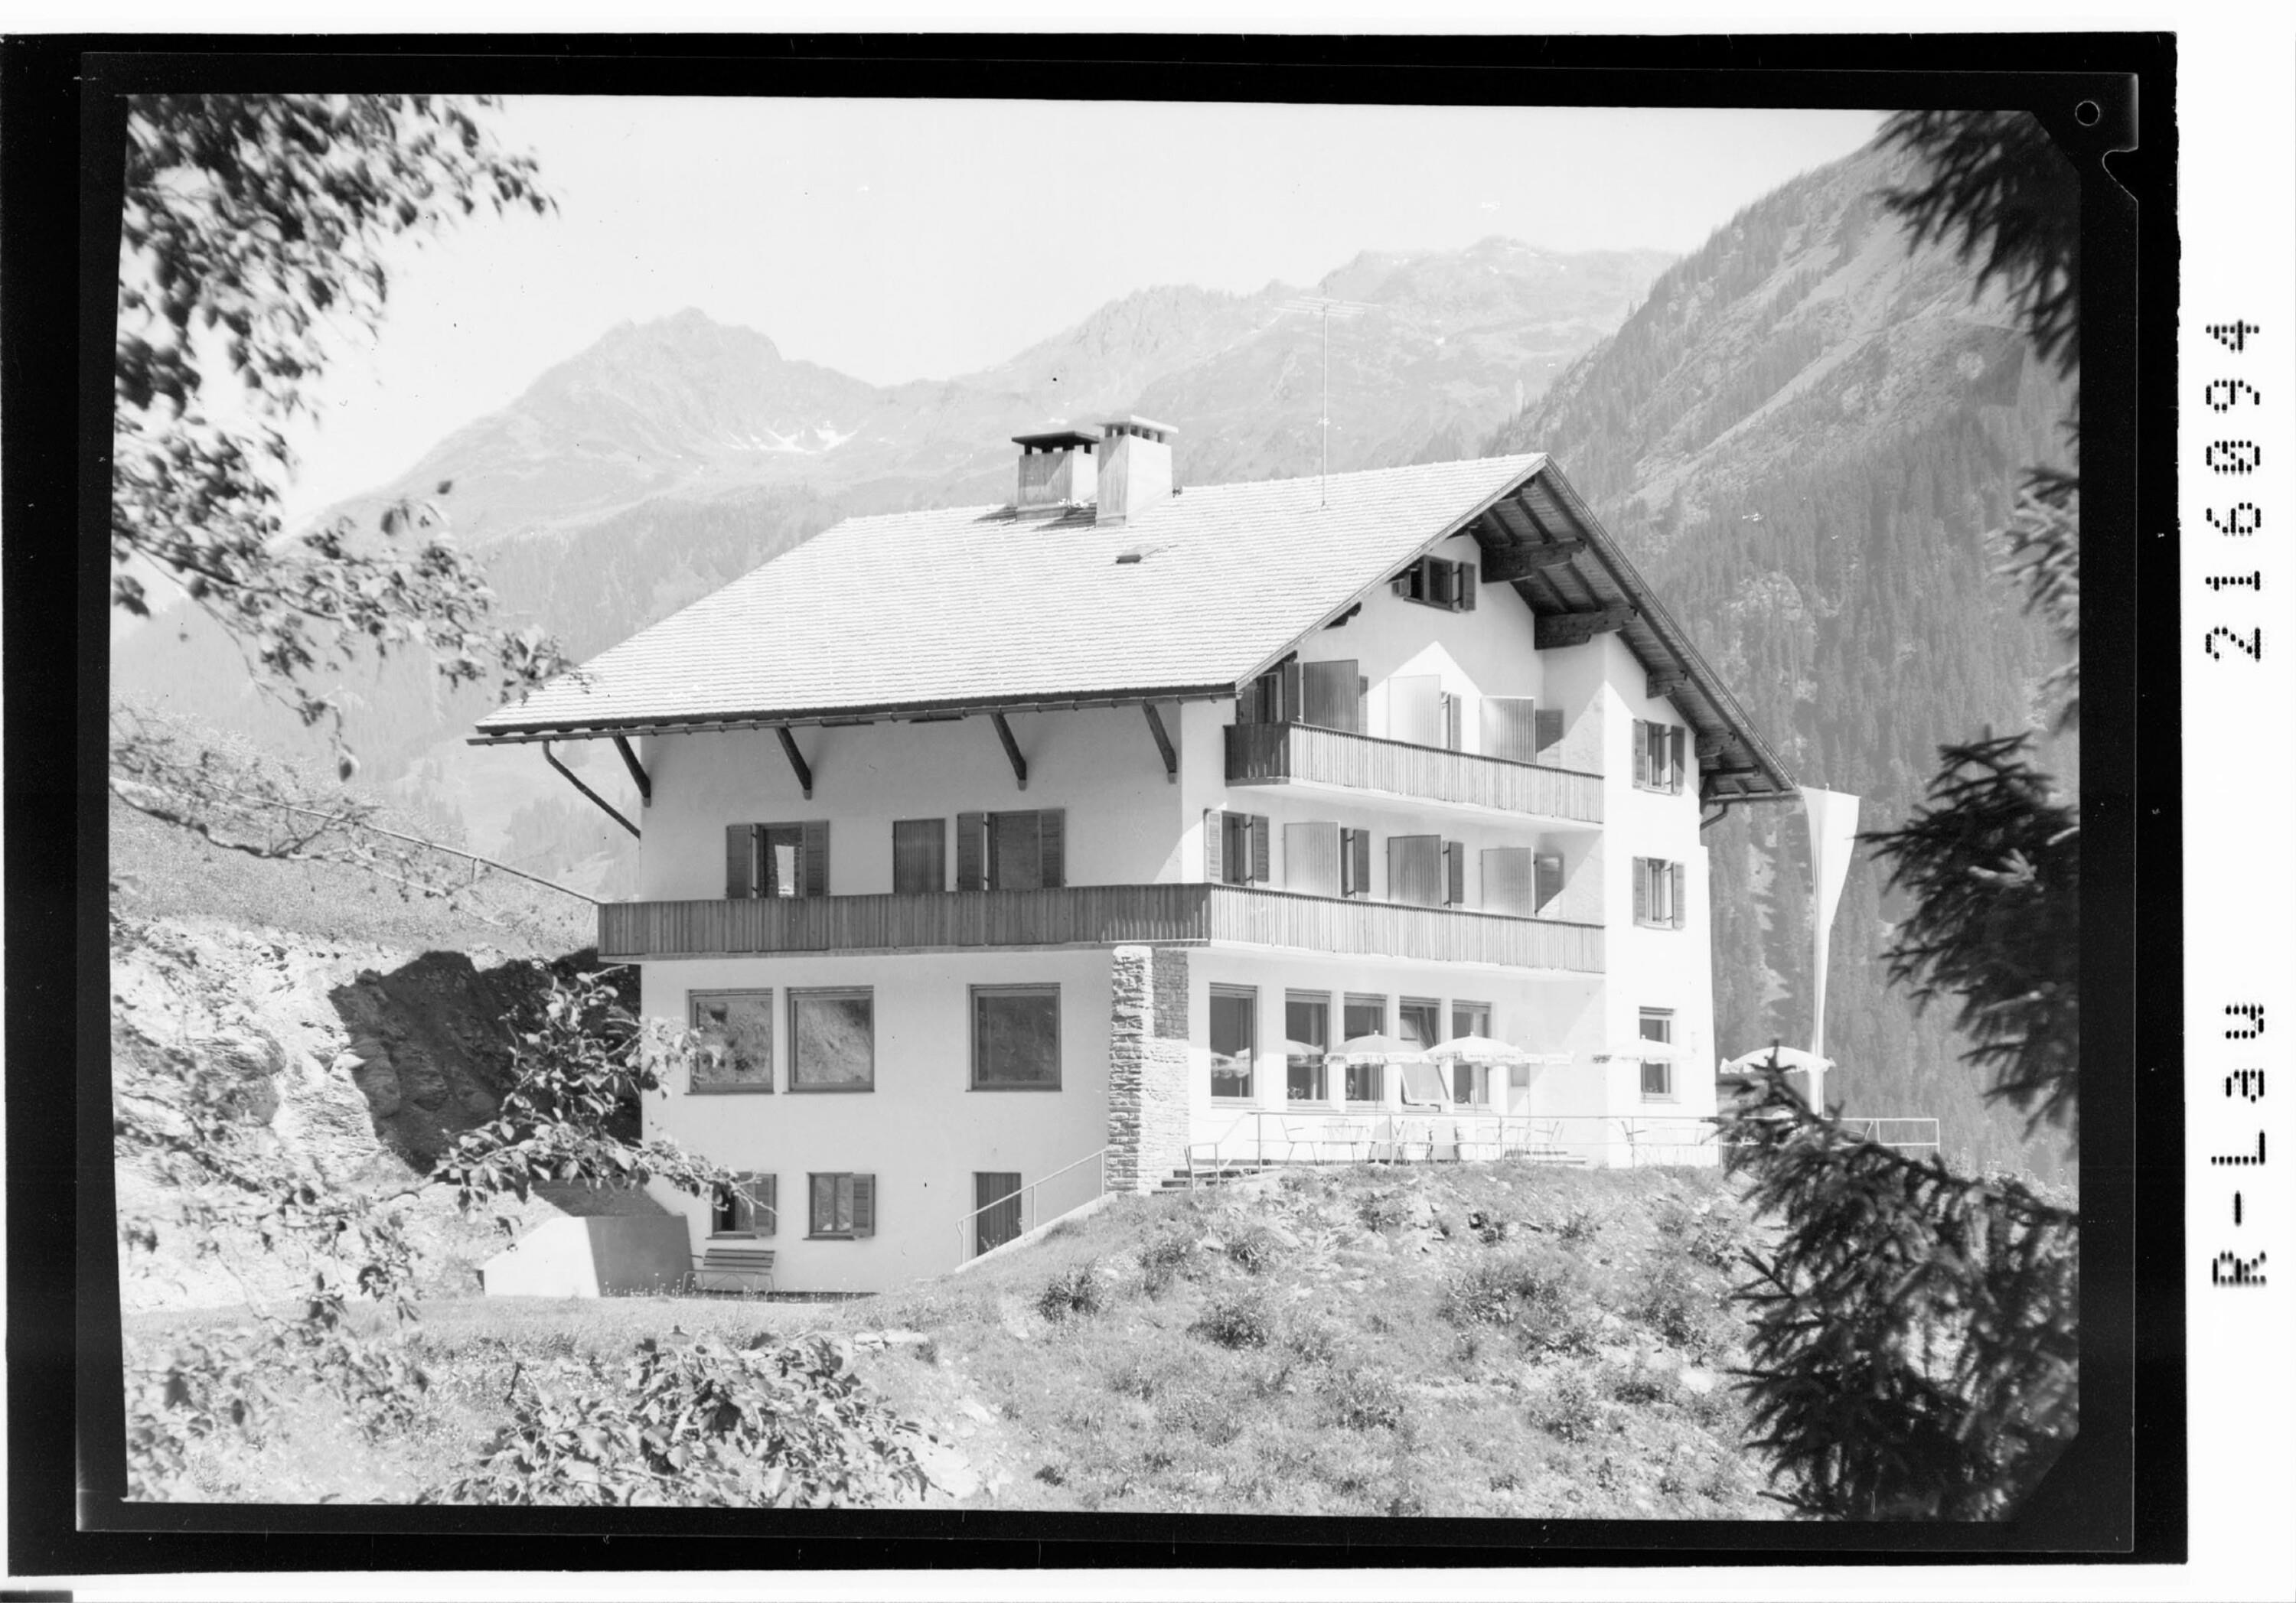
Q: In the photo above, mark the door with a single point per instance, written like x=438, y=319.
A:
x=999, y=1197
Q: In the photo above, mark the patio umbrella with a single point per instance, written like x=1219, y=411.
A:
x=1302, y=1049
x=1790, y=1057
x=1479, y=1048
x=1378, y=1049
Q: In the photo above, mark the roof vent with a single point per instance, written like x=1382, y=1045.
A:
x=1136, y=469
x=1056, y=467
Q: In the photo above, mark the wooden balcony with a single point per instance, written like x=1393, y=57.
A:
x=1091, y=915
x=1274, y=754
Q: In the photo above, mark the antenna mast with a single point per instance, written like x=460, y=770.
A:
x=1326, y=307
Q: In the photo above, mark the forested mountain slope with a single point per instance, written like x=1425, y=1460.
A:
x=1802, y=437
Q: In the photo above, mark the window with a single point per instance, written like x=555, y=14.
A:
x=736, y=1050
x=1419, y=1021
x=1658, y=1073
x=747, y=1207
x=1471, y=1082
x=920, y=855
x=1234, y=1018
x=1235, y=847
x=1365, y=1016
x=1307, y=1036
x=832, y=1041
x=1426, y=870
x=1311, y=858
x=1658, y=757
x=777, y=859
x=1507, y=880
x=841, y=1207
x=1355, y=862
x=1273, y=697
x=1016, y=1037
x=1438, y=582
x=1658, y=900
x=1011, y=851
x=1518, y=729
x=1332, y=695
x=996, y=1210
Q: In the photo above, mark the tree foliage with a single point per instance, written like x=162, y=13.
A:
x=254, y=228
x=1913, y=1355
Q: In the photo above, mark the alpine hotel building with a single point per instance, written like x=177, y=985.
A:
x=978, y=841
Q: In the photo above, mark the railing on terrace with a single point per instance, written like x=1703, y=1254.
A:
x=1091, y=915
x=1027, y=1211
x=1264, y=754
x=1260, y=1138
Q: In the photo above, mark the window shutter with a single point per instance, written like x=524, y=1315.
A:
x=972, y=851
x=1642, y=753
x=1506, y=879
x=1674, y=753
x=1545, y=731
x=1311, y=858
x=1547, y=874
x=920, y=854
x=865, y=1205
x=1674, y=871
x=1454, y=873
x=1355, y=862
x=1332, y=695
x=1642, y=890
x=813, y=847
x=1442, y=582
x=1415, y=870
x=1509, y=726
x=1289, y=683
x=1451, y=705
x=1363, y=696
x=1260, y=874
x=741, y=860
x=1466, y=602
x=1052, y=828
x=1214, y=838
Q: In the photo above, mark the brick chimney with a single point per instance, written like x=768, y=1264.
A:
x=1136, y=469
x=1057, y=468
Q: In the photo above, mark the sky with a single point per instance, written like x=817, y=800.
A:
x=899, y=240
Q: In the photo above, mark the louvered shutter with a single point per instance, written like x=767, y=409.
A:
x=1642, y=890
x=1215, y=841
x=1454, y=873
x=1674, y=871
x=1415, y=870
x=1506, y=879
x=1674, y=751
x=1509, y=723
x=1052, y=826
x=1545, y=732
x=1260, y=875
x=741, y=861
x=1466, y=602
x=770, y=1201
x=1642, y=753
x=1311, y=858
x=1289, y=680
x=972, y=851
x=1332, y=695
x=1016, y=851
x=814, y=848
x=865, y=1205
x=1546, y=870
x=1450, y=722
x=1442, y=582
x=920, y=854
x=1355, y=862
x=1415, y=710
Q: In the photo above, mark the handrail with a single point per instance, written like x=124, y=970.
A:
x=1027, y=1191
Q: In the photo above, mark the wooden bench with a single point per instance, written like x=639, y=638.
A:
x=738, y=1269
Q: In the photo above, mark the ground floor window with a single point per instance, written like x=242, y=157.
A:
x=832, y=1041
x=1016, y=1037
x=1658, y=1073
x=1234, y=1024
x=842, y=1207
x=747, y=1207
x=996, y=1201
x=736, y=1049
x=1365, y=1016
x=1471, y=1082
x=1307, y=1036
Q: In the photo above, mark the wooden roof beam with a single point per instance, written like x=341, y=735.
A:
x=1659, y=685
x=637, y=770
x=1164, y=746
x=1555, y=630
x=1011, y=748
x=1518, y=561
x=604, y=806
x=796, y=760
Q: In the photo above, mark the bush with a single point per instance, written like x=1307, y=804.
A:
x=1314, y=1342
x=1540, y=1297
x=1636, y=1387
x=1257, y=1250
x=1239, y=1321
x=1699, y=1234
x=1569, y=1410
x=1072, y=1291
x=1163, y=1259
x=1577, y=1224
x=1683, y=1308
x=1365, y=1398
x=1383, y=1210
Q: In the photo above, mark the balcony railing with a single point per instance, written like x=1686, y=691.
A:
x=1091, y=915
x=1267, y=753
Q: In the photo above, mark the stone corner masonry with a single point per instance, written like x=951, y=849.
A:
x=1147, y=1065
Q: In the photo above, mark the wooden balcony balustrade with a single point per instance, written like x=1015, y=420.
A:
x=1272, y=753
x=1091, y=915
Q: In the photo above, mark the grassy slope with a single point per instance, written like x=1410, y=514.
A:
x=1348, y=1342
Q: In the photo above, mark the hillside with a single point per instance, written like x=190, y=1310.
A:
x=1802, y=437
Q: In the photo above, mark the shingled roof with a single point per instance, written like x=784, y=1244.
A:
x=987, y=609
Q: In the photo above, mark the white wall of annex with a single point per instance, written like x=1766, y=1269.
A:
x=1099, y=763
x=922, y=1132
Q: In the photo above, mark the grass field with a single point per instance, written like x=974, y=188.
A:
x=1504, y=1341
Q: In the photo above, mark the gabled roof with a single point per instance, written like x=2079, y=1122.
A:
x=987, y=608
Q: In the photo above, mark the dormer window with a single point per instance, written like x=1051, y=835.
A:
x=1438, y=582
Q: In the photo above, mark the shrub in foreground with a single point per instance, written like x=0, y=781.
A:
x=1071, y=1292
x=1540, y=1295
x=1236, y=1321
